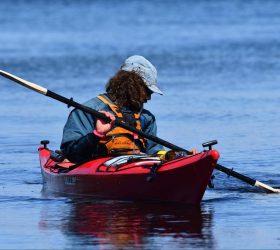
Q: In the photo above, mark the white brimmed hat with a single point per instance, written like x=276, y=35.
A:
x=144, y=69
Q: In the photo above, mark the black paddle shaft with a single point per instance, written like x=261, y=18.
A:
x=231, y=172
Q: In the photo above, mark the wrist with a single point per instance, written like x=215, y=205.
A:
x=98, y=133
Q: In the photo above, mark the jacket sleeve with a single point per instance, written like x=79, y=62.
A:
x=150, y=127
x=78, y=141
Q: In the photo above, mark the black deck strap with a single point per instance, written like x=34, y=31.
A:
x=153, y=173
x=211, y=182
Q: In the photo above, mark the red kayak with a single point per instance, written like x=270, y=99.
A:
x=135, y=177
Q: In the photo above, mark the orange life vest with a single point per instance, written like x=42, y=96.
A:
x=119, y=140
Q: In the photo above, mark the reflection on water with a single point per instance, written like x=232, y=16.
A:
x=115, y=224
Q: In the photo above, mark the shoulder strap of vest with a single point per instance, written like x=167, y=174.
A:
x=112, y=105
x=137, y=115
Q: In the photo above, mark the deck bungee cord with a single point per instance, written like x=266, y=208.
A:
x=71, y=103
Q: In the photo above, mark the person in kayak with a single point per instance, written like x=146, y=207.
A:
x=85, y=137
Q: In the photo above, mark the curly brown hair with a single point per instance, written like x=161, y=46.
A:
x=127, y=89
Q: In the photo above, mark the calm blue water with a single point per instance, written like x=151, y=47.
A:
x=218, y=64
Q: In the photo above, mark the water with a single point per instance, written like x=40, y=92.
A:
x=218, y=64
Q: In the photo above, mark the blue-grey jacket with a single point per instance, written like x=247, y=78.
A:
x=80, y=144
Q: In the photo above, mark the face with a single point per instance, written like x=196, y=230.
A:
x=149, y=94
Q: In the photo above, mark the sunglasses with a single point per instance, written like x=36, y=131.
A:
x=149, y=92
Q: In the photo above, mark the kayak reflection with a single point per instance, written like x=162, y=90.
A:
x=118, y=224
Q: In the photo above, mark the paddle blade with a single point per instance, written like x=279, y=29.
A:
x=266, y=188
x=24, y=83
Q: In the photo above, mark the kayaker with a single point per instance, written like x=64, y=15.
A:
x=85, y=137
